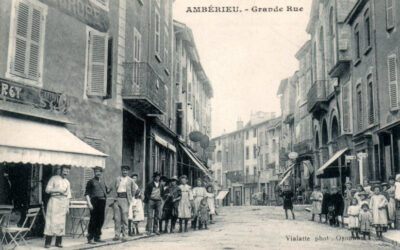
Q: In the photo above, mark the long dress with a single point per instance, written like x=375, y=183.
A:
x=347, y=200
x=353, y=212
x=391, y=204
x=199, y=193
x=172, y=195
x=316, y=198
x=58, y=206
x=211, y=202
x=185, y=207
x=365, y=219
x=377, y=205
x=136, y=211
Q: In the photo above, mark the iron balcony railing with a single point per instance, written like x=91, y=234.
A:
x=143, y=85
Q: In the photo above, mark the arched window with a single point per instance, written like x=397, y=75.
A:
x=324, y=133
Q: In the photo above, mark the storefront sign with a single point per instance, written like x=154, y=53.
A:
x=36, y=97
x=84, y=10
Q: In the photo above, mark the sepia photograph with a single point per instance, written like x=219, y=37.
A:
x=199, y=124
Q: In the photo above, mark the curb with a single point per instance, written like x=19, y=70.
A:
x=108, y=243
x=393, y=242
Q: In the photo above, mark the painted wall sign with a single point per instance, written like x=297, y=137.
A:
x=84, y=10
x=36, y=97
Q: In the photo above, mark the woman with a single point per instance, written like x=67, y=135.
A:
x=348, y=197
x=316, y=198
x=172, y=196
x=185, y=204
x=378, y=205
x=57, y=207
x=199, y=193
x=211, y=201
x=391, y=202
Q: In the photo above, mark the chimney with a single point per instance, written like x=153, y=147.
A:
x=239, y=124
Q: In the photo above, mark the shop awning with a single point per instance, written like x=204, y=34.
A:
x=285, y=177
x=221, y=195
x=164, y=143
x=321, y=171
x=27, y=141
x=196, y=161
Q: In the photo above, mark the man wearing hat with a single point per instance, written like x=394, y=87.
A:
x=152, y=196
x=125, y=192
x=96, y=196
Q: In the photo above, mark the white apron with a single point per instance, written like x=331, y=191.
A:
x=58, y=205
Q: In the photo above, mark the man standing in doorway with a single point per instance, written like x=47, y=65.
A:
x=96, y=196
x=153, y=194
x=126, y=189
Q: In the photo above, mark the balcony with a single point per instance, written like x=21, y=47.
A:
x=316, y=97
x=303, y=147
x=143, y=89
x=250, y=179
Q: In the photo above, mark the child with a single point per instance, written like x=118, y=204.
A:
x=353, y=212
x=203, y=213
x=359, y=189
x=316, y=198
x=185, y=204
x=391, y=202
x=365, y=220
x=199, y=192
x=211, y=202
x=378, y=205
x=287, y=196
x=136, y=211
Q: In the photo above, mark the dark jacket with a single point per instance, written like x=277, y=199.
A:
x=149, y=190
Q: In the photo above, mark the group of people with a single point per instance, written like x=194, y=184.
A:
x=367, y=206
x=167, y=201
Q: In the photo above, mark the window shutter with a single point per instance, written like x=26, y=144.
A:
x=21, y=39
x=346, y=107
x=392, y=76
x=389, y=14
x=97, y=75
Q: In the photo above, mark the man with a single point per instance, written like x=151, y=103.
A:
x=152, y=195
x=125, y=188
x=316, y=198
x=57, y=207
x=96, y=196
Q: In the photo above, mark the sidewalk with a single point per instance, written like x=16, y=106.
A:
x=81, y=242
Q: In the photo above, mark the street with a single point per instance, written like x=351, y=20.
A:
x=258, y=227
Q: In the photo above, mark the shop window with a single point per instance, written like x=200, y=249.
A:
x=97, y=63
x=26, y=43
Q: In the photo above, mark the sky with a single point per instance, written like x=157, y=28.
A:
x=245, y=55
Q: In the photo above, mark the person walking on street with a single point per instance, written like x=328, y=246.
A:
x=316, y=198
x=96, y=197
x=185, y=204
x=126, y=189
x=199, y=193
x=153, y=194
x=57, y=207
x=287, y=196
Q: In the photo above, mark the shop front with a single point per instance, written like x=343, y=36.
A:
x=31, y=151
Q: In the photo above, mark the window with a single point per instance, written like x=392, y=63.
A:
x=166, y=48
x=97, y=63
x=27, y=42
x=273, y=145
x=254, y=151
x=247, y=171
x=371, y=113
x=359, y=107
x=367, y=26
x=390, y=14
x=266, y=159
x=346, y=106
x=247, y=153
x=219, y=156
x=392, y=76
x=137, y=46
x=261, y=162
x=357, y=43
x=332, y=37
x=255, y=170
x=247, y=135
x=255, y=132
x=261, y=138
x=157, y=37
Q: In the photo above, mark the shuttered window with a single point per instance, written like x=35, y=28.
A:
x=137, y=46
x=97, y=63
x=359, y=108
x=371, y=111
x=392, y=76
x=390, y=14
x=28, y=40
x=346, y=107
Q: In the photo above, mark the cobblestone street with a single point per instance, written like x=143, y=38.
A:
x=258, y=228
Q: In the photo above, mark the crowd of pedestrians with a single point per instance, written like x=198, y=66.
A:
x=367, y=207
x=167, y=201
